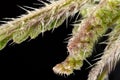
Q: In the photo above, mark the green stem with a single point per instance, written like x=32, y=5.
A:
x=38, y=21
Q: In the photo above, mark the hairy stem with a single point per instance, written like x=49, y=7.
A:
x=38, y=21
x=80, y=46
x=110, y=57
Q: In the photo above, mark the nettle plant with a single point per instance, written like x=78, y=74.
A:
x=97, y=17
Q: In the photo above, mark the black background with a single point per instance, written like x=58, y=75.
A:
x=35, y=58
